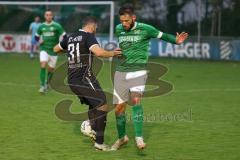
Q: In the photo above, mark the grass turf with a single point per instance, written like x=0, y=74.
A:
x=198, y=120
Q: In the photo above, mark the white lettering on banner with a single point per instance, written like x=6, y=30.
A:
x=15, y=43
x=189, y=50
x=225, y=50
x=8, y=42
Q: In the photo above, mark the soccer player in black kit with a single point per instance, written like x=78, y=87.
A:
x=81, y=46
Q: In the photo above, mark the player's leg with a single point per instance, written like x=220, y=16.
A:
x=121, y=93
x=101, y=119
x=31, y=54
x=92, y=117
x=121, y=126
x=121, y=119
x=137, y=117
x=137, y=82
x=97, y=100
x=43, y=64
x=51, y=67
x=77, y=89
x=90, y=93
x=49, y=75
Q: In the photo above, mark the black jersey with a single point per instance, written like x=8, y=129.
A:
x=80, y=77
x=79, y=55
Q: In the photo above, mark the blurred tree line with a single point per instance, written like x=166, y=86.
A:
x=216, y=17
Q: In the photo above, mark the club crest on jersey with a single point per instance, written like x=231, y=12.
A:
x=137, y=31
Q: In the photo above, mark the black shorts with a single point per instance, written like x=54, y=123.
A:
x=88, y=91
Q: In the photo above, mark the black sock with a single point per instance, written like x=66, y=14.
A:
x=92, y=118
x=101, y=119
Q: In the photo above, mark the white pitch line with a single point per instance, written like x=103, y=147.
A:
x=209, y=90
x=176, y=91
x=17, y=84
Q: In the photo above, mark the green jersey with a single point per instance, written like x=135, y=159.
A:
x=135, y=45
x=50, y=34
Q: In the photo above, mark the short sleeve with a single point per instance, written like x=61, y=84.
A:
x=118, y=30
x=60, y=29
x=63, y=43
x=31, y=26
x=153, y=32
x=91, y=40
x=39, y=31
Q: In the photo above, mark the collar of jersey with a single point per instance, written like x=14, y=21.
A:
x=48, y=23
x=135, y=25
x=81, y=30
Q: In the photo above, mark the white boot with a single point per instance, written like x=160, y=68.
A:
x=140, y=143
x=101, y=147
x=119, y=143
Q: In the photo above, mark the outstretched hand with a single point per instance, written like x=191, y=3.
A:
x=180, y=38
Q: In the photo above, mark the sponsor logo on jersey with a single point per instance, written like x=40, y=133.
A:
x=76, y=39
x=47, y=34
x=129, y=39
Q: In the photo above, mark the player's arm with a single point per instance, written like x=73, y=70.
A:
x=38, y=35
x=93, y=46
x=61, y=32
x=154, y=33
x=38, y=38
x=178, y=39
x=100, y=52
x=61, y=46
x=62, y=36
x=57, y=48
x=30, y=29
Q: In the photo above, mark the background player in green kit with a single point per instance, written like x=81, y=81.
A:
x=130, y=76
x=48, y=34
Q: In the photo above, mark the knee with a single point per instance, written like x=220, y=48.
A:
x=135, y=100
x=103, y=108
x=50, y=69
x=120, y=108
x=43, y=64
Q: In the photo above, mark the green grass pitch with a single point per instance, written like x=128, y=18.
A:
x=206, y=94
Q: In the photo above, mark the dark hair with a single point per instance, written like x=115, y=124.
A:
x=126, y=9
x=88, y=20
x=48, y=10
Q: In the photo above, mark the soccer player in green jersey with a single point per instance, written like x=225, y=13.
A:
x=131, y=74
x=48, y=34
